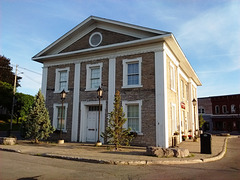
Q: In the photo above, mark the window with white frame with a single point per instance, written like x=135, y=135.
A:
x=132, y=72
x=174, y=120
x=172, y=77
x=59, y=116
x=94, y=76
x=61, y=79
x=224, y=109
x=233, y=108
x=217, y=111
x=132, y=111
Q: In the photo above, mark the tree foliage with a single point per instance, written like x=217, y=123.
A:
x=38, y=125
x=201, y=121
x=115, y=133
x=23, y=106
x=6, y=95
x=6, y=74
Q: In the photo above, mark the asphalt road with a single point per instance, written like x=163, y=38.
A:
x=19, y=166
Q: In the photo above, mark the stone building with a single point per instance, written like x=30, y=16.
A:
x=155, y=79
x=221, y=113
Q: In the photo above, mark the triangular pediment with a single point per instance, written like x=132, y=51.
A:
x=108, y=32
x=107, y=38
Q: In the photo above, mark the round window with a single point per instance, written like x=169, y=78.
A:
x=95, y=39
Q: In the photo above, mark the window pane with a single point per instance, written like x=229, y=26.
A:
x=62, y=85
x=133, y=79
x=95, y=73
x=63, y=76
x=133, y=68
x=95, y=83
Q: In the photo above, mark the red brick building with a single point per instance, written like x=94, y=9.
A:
x=222, y=113
x=156, y=82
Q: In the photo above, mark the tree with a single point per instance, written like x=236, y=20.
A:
x=201, y=121
x=6, y=74
x=38, y=125
x=115, y=133
x=6, y=95
x=23, y=106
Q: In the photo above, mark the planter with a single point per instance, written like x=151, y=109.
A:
x=8, y=140
x=61, y=141
x=99, y=144
x=184, y=138
x=190, y=136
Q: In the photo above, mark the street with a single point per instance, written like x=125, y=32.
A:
x=20, y=166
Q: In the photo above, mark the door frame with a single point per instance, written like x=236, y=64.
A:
x=83, y=121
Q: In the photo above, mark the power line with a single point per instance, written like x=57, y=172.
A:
x=28, y=70
x=32, y=79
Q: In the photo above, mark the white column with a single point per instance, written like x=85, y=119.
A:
x=161, y=99
x=75, y=113
x=44, y=81
x=111, y=83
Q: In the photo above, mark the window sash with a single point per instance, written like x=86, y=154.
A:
x=95, y=77
x=133, y=117
x=59, y=110
x=62, y=80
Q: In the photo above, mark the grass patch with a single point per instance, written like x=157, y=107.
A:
x=190, y=155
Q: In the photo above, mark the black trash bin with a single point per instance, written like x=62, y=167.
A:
x=206, y=143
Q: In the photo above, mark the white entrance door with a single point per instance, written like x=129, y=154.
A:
x=92, y=126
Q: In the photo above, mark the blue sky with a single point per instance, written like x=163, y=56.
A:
x=208, y=32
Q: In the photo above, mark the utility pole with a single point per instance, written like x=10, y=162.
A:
x=13, y=102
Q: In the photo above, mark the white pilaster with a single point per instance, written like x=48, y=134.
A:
x=179, y=102
x=75, y=113
x=111, y=83
x=44, y=81
x=161, y=99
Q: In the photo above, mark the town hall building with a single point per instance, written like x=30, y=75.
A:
x=156, y=81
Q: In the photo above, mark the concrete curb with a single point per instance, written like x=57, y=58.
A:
x=133, y=162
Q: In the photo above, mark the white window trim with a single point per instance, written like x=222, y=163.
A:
x=174, y=114
x=172, y=77
x=90, y=38
x=223, y=109
x=139, y=103
x=55, y=114
x=125, y=72
x=217, y=106
x=233, y=108
x=57, y=78
x=88, y=76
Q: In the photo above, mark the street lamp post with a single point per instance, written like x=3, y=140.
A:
x=194, y=101
x=63, y=96
x=99, y=96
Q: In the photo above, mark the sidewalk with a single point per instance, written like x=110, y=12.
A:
x=128, y=155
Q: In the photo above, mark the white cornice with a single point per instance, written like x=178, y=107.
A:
x=108, y=55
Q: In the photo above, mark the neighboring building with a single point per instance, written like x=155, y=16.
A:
x=221, y=113
x=156, y=81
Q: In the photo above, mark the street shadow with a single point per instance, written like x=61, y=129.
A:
x=29, y=178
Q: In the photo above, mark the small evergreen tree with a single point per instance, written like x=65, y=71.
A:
x=201, y=121
x=115, y=133
x=38, y=125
